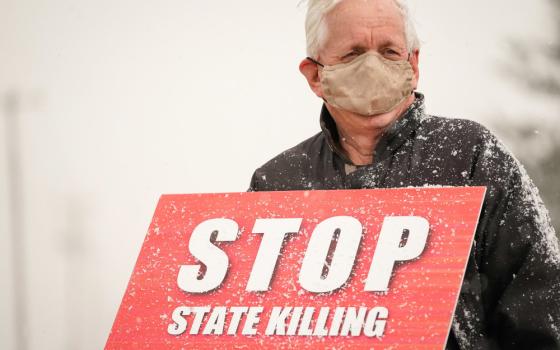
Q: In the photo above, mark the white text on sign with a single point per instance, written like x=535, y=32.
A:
x=402, y=238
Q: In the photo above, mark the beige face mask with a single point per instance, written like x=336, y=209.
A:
x=369, y=84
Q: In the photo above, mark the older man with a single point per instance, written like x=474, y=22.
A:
x=363, y=62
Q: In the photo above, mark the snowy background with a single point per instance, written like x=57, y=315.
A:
x=105, y=105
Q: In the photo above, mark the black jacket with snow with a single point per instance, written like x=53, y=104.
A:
x=510, y=297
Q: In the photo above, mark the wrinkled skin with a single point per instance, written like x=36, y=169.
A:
x=351, y=28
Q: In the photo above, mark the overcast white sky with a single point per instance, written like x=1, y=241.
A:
x=125, y=100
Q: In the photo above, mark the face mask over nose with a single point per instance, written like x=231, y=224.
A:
x=369, y=84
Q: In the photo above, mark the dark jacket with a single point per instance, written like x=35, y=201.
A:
x=510, y=297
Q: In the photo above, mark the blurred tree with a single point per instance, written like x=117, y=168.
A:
x=536, y=65
x=539, y=151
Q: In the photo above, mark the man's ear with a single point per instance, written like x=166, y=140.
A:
x=414, y=57
x=310, y=71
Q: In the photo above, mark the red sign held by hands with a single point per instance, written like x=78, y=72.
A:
x=303, y=269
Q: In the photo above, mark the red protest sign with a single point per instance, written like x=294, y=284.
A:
x=301, y=269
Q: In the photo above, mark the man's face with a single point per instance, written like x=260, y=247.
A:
x=352, y=28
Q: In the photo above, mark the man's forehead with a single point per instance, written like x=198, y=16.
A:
x=359, y=20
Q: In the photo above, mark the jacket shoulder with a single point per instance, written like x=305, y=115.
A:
x=288, y=170
x=454, y=129
x=467, y=145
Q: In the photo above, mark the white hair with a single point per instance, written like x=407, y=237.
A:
x=317, y=9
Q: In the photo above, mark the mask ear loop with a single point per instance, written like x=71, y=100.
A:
x=408, y=60
x=320, y=65
x=316, y=62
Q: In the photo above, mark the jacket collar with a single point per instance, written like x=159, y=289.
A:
x=395, y=135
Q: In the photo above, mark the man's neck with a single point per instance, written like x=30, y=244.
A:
x=359, y=135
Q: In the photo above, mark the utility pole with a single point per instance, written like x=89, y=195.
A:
x=12, y=108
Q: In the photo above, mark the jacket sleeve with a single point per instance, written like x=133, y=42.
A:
x=253, y=185
x=519, y=257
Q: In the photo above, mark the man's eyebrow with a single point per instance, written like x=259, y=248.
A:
x=389, y=42
x=384, y=43
x=357, y=47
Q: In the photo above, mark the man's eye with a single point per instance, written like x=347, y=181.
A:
x=390, y=53
x=350, y=54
